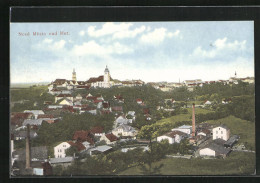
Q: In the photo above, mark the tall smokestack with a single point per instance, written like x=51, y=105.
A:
x=193, y=120
x=28, y=149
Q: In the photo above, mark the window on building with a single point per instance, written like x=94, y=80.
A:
x=221, y=132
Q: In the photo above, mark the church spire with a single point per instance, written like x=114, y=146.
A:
x=74, y=78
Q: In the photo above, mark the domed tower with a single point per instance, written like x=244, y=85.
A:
x=106, y=77
x=74, y=78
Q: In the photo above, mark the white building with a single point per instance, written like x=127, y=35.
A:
x=102, y=81
x=184, y=128
x=66, y=101
x=221, y=132
x=35, y=112
x=59, y=150
x=124, y=131
x=172, y=137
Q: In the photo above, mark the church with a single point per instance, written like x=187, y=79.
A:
x=103, y=81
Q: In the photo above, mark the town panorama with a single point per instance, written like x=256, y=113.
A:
x=112, y=124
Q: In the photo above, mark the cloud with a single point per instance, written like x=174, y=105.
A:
x=128, y=33
x=220, y=47
x=108, y=29
x=82, y=33
x=157, y=36
x=95, y=49
x=58, y=45
x=46, y=40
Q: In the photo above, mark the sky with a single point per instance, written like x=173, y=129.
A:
x=150, y=51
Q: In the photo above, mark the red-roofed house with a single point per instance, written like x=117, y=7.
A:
x=109, y=138
x=18, y=118
x=97, y=130
x=82, y=136
x=139, y=101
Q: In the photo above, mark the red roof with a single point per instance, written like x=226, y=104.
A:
x=111, y=137
x=97, y=129
x=93, y=80
x=45, y=116
x=91, y=98
x=78, y=145
x=83, y=136
x=64, y=95
x=118, y=97
x=117, y=108
x=97, y=101
x=146, y=111
x=105, y=105
x=138, y=100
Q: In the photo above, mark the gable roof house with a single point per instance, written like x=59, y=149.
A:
x=66, y=101
x=109, y=138
x=35, y=112
x=139, y=101
x=61, y=96
x=78, y=97
x=125, y=131
x=122, y=120
x=215, y=148
x=83, y=136
x=172, y=137
x=21, y=135
x=221, y=131
x=119, y=98
x=100, y=150
x=97, y=131
x=17, y=119
x=184, y=128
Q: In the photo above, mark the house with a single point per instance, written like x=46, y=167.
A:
x=122, y=120
x=97, y=131
x=66, y=101
x=17, y=119
x=204, y=132
x=222, y=132
x=100, y=150
x=109, y=138
x=231, y=141
x=41, y=168
x=33, y=122
x=35, y=112
x=78, y=97
x=21, y=135
x=61, y=96
x=45, y=116
x=119, y=98
x=39, y=153
x=184, y=128
x=124, y=131
x=83, y=136
x=139, y=101
x=55, y=91
x=207, y=102
x=215, y=148
x=60, y=149
x=117, y=108
x=64, y=162
x=172, y=137
x=132, y=114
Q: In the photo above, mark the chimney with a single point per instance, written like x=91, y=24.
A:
x=193, y=120
x=28, y=149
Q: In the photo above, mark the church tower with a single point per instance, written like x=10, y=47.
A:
x=106, y=77
x=74, y=78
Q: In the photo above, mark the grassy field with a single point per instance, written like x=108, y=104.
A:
x=238, y=163
x=183, y=117
x=245, y=129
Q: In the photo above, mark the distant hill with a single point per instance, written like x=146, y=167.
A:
x=26, y=85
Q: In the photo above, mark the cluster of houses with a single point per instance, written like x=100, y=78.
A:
x=191, y=84
x=64, y=86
